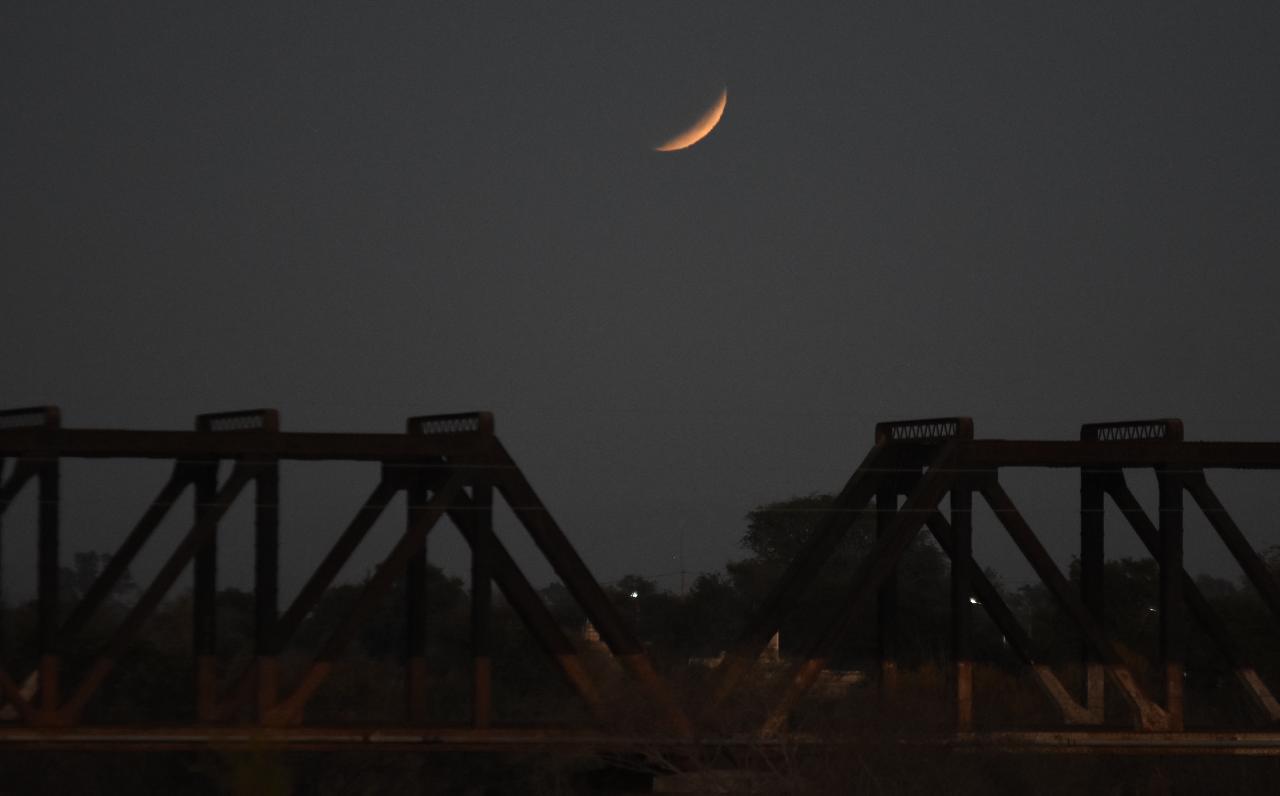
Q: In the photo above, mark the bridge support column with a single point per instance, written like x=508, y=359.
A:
x=47, y=586
x=266, y=585
x=1092, y=557
x=203, y=598
x=961, y=605
x=415, y=609
x=887, y=597
x=1172, y=624
x=481, y=590
x=3, y=505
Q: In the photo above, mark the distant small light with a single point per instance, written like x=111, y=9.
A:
x=635, y=594
x=974, y=601
x=1151, y=610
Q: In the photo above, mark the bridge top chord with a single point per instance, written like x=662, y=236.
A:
x=456, y=423
x=31, y=417
x=1167, y=429
x=927, y=431
x=245, y=420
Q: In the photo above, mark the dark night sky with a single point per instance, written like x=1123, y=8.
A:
x=1037, y=214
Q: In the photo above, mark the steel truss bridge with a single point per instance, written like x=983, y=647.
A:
x=454, y=467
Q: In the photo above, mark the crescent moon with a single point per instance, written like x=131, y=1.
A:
x=700, y=129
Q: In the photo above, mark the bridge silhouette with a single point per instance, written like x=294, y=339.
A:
x=454, y=468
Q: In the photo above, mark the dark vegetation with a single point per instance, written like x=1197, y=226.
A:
x=153, y=683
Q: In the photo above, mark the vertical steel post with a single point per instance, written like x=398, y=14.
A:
x=1172, y=625
x=47, y=575
x=266, y=590
x=481, y=589
x=961, y=607
x=887, y=594
x=1092, y=557
x=204, y=596
x=3, y=613
x=415, y=595
x=266, y=474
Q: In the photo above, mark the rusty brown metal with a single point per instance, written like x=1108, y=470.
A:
x=1260, y=695
x=1172, y=631
x=481, y=541
x=1092, y=594
x=321, y=578
x=554, y=545
x=867, y=578
x=1148, y=715
x=451, y=466
x=346, y=544
x=420, y=478
x=266, y=520
x=48, y=481
x=1111, y=742
x=204, y=597
x=1071, y=711
x=23, y=470
x=887, y=596
x=479, y=424
x=533, y=739
x=853, y=498
x=25, y=417
x=962, y=593
x=201, y=531
x=119, y=562
x=266, y=588
x=1248, y=559
x=411, y=541
x=992, y=454
x=926, y=431
x=46, y=471
x=524, y=600
x=13, y=694
x=415, y=614
x=303, y=446
x=1164, y=428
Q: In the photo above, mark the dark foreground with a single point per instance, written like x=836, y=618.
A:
x=870, y=768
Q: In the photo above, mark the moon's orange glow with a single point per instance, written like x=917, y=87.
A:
x=705, y=124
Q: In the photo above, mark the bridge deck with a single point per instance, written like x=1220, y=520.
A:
x=527, y=738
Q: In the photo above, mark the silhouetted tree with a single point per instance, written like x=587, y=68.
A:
x=776, y=534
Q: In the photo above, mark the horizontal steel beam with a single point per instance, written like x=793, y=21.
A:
x=976, y=455
x=517, y=738
x=112, y=443
x=982, y=454
x=989, y=454
x=1110, y=742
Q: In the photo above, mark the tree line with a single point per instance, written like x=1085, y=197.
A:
x=154, y=680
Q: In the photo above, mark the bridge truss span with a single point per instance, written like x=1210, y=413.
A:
x=448, y=467
x=902, y=482
x=454, y=469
